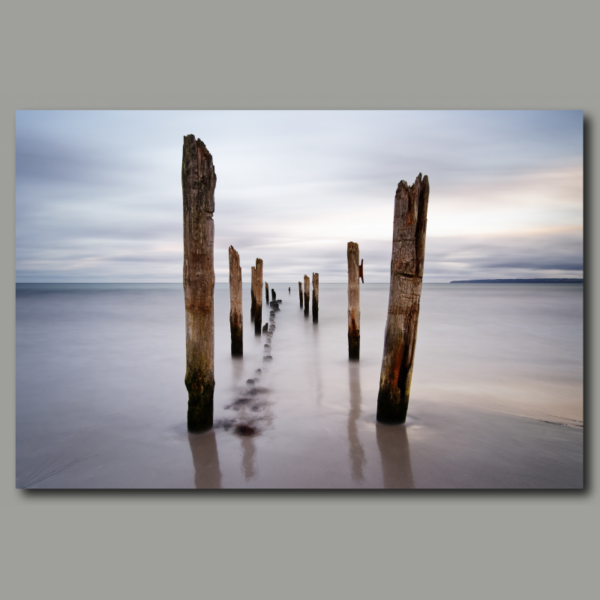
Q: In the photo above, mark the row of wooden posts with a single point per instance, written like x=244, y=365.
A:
x=304, y=297
x=355, y=271
x=198, y=181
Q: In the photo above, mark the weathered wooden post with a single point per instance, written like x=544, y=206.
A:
x=306, y=294
x=315, y=297
x=300, y=293
x=198, y=181
x=258, y=296
x=235, y=302
x=252, y=293
x=267, y=291
x=273, y=296
x=408, y=256
x=353, y=302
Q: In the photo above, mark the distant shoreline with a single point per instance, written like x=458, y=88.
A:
x=519, y=281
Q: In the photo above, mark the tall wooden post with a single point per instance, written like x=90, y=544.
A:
x=306, y=295
x=315, y=297
x=353, y=302
x=267, y=291
x=258, y=296
x=300, y=293
x=252, y=293
x=408, y=256
x=198, y=181
x=235, y=302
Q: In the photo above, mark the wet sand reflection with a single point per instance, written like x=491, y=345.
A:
x=206, y=460
x=317, y=363
x=356, y=451
x=237, y=369
x=394, y=450
x=248, y=458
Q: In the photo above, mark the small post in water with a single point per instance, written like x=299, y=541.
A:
x=300, y=292
x=267, y=291
x=235, y=302
x=306, y=294
x=408, y=256
x=273, y=296
x=258, y=296
x=198, y=181
x=315, y=297
x=353, y=302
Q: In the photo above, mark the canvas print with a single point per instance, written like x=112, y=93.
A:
x=299, y=300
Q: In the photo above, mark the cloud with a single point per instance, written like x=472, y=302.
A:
x=99, y=192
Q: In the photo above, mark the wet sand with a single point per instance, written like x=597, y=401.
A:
x=101, y=401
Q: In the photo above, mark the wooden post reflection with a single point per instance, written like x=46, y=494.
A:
x=249, y=457
x=357, y=454
x=394, y=450
x=206, y=460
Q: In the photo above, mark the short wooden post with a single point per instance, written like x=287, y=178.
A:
x=353, y=302
x=289, y=291
x=252, y=293
x=235, y=303
x=258, y=296
x=315, y=297
x=306, y=295
x=300, y=293
x=408, y=256
x=273, y=296
x=267, y=291
x=198, y=181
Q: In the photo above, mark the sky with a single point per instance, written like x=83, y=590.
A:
x=98, y=193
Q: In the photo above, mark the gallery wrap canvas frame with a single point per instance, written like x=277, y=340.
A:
x=101, y=322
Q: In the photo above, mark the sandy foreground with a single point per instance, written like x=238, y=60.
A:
x=101, y=402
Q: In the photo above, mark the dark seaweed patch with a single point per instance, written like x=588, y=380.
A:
x=225, y=424
x=239, y=403
x=245, y=429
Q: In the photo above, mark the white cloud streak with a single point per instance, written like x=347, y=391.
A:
x=99, y=193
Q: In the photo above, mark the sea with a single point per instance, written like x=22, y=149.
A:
x=496, y=399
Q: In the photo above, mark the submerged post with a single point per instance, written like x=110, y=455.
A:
x=258, y=296
x=408, y=256
x=267, y=291
x=198, y=181
x=252, y=293
x=353, y=302
x=306, y=294
x=273, y=295
x=300, y=293
x=235, y=302
x=315, y=297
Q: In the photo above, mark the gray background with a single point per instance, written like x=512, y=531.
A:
x=295, y=55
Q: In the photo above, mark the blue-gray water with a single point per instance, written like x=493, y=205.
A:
x=496, y=399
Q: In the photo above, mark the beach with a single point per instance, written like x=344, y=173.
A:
x=496, y=398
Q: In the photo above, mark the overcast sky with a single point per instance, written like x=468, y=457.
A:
x=98, y=193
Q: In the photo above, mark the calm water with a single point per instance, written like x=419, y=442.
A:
x=496, y=402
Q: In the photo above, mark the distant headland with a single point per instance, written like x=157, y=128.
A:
x=520, y=281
